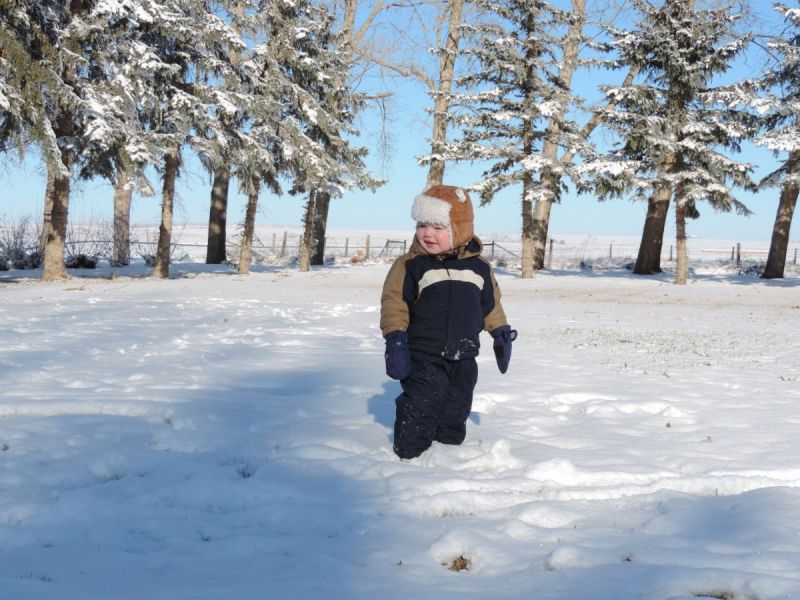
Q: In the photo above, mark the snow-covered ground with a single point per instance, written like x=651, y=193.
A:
x=217, y=436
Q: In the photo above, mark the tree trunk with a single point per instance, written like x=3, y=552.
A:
x=55, y=240
x=218, y=217
x=530, y=99
x=304, y=260
x=528, y=235
x=649, y=260
x=550, y=180
x=682, y=265
x=246, y=249
x=441, y=103
x=171, y=166
x=779, y=245
x=436, y=168
x=55, y=235
x=322, y=203
x=121, y=248
x=540, y=223
x=47, y=224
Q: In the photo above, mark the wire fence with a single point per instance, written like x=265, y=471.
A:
x=558, y=253
x=282, y=246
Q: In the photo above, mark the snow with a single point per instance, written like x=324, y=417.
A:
x=217, y=436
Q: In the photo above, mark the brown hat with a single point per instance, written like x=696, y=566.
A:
x=446, y=205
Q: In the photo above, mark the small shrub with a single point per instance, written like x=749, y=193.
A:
x=81, y=261
x=20, y=245
x=90, y=239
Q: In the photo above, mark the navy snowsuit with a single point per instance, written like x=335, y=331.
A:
x=443, y=302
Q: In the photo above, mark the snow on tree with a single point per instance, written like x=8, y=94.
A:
x=113, y=147
x=31, y=90
x=187, y=47
x=782, y=131
x=674, y=135
x=292, y=112
x=31, y=85
x=323, y=113
x=503, y=109
x=57, y=92
x=344, y=44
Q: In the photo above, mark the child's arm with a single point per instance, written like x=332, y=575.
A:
x=394, y=322
x=394, y=310
x=496, y=316
x=496, y=324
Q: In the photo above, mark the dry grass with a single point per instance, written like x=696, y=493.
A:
x=459, y=564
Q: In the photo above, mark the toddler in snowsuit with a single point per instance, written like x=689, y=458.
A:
x=436, y=300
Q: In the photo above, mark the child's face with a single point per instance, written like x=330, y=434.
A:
x=434, y=238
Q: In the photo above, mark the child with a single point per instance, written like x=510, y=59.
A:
x=436, y=300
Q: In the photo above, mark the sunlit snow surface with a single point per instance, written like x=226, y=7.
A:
x=217, y=436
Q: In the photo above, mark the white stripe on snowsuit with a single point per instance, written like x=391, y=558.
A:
x=439, y=275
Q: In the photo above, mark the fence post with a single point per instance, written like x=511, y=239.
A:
x=346, y=244
x=549, y=261
x=795, y=256
x=283, y=245
x=404, y=246
x=733, y=253
x=738, y=254
x=610, y=251
x=670, y=253
x=366, y=248
x=273, y=242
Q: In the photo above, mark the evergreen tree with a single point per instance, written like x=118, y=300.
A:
x=782, y=132
x=296, y=115
x=32, y=91
x=674, y=133
x=189, y=49
x=113, y=147
x=30, y=76
x=324, y=163
x=61, y=94
x=504, y=113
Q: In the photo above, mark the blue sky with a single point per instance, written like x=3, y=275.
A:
x=22, y=189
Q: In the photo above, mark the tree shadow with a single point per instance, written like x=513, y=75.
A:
x=237, y=473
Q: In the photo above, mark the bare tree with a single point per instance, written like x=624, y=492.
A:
x=437, y=26
x=551, y=175
x=440, y=88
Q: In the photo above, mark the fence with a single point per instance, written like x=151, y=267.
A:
x=189, y=244
x=558, y=252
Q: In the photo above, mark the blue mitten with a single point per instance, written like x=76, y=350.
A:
x=398, y=356
x=503, y=336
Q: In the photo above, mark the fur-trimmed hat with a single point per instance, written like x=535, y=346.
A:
x=446, y=205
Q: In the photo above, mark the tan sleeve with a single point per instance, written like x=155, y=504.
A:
x=394, y=310
x=497, y=317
